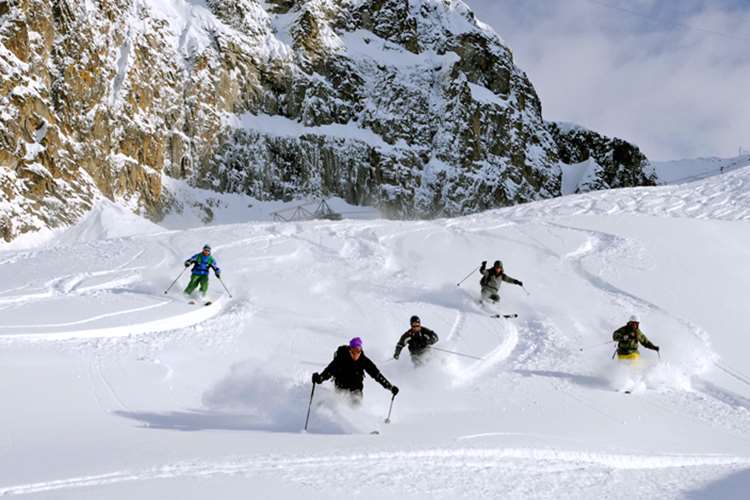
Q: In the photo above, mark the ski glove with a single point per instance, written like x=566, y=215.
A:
x=656, y=348
x=316, y=378
x=394, y=390
x=187, y=264
x=395, y=356
x=519, y=282
x=218, y=275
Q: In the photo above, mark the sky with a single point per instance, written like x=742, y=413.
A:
x=671, y=76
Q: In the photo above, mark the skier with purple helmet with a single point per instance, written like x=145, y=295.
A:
x=348, y=371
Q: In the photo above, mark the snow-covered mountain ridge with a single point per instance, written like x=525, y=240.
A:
x=414, y=107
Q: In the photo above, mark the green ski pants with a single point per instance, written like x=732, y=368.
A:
x=195, y=281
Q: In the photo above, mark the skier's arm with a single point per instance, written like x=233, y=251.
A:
x=617, y=335
x=373, y=371
x=401, y=344
x=215, y=267
x=432, y=336
x=512, y=281
x=645, y=342
x=330, y=369
x=191, y=260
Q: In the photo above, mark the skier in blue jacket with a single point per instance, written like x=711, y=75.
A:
x=201, y=263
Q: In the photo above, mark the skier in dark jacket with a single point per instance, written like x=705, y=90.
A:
x=419, y=339
x=491, y=280
x=348, y=371
x=628, y=337
x=201, y=263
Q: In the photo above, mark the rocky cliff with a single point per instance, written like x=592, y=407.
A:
x=614, y=163
x=413, y=106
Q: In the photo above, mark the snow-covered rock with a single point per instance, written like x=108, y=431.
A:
x=606, y=162
x=412, y=106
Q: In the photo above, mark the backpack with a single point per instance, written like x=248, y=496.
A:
x=485, y=280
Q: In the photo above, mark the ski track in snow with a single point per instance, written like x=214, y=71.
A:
x=600, y=244
x=400, y=466
x=90, y=319
x=188, y=319
x=380, y=259
x=491, y=359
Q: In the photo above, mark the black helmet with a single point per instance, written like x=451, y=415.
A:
x=414, y=319
x=498, y=263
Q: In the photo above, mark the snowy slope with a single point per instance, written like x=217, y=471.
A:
x=113, y=389
x=197, y=207
x=688, y=170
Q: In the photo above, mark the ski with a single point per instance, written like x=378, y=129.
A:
x=485, y=305
x=208, y=303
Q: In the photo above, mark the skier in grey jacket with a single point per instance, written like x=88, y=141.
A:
x=491, y=280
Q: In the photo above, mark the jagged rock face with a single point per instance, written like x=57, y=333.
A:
x=410, y=105
x=86, y=101
x=617, y=163
x=453, y=125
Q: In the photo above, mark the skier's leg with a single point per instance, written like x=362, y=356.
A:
x=204, y=285
x=630, y=359
x=352, y=397
x=193, y=283
x=419, y=358
x=355, y=397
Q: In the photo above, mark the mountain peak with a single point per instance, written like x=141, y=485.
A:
x=413, y=106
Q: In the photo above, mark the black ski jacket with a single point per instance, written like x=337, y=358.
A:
x=418, y=342
x=349, y=374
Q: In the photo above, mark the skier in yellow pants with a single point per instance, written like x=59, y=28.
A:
x=628, y=337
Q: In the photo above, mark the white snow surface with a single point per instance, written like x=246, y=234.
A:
x=232, y=208
x=578, y=174
x=113, y=389
x=688, y=170
x=104, y=221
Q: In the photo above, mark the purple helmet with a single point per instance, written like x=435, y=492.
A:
x=356, y=342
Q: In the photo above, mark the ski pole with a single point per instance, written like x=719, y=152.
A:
x=456, y=353
x=467, y=276
x=524, y=289
x=388, y=418
x=597, y=345
x=175, y=281
x=312, y=393
x=225, y=287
